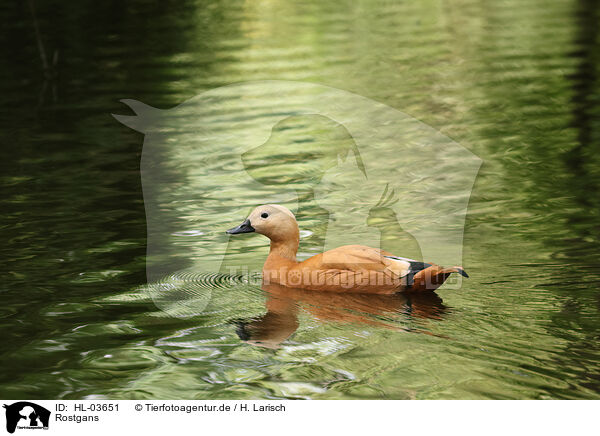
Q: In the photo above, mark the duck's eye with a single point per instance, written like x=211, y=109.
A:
x=264, y=215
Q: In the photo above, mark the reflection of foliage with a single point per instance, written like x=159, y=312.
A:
x=583, y=159
x=542, y=174
x=583, y=217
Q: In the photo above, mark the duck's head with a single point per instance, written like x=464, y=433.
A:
x=276, y=222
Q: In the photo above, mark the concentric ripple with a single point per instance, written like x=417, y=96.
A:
x=188, y=292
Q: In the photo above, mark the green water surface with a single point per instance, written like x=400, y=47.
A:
x=514, y=82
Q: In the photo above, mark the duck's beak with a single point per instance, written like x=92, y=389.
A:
x=245, y=227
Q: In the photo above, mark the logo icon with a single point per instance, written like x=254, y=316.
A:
x=357, y=170
x=26, y=415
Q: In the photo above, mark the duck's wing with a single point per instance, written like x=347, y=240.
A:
x=357, y=258
x=364, y=268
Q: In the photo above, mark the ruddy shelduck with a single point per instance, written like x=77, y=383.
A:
x=350, y=268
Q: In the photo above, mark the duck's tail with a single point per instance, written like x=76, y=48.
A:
x=432, y=277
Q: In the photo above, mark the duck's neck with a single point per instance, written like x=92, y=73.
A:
x=282, y=257
x=284, y=251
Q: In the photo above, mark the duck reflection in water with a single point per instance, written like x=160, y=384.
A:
x=283, y=305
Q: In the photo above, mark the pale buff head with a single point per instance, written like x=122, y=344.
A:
x=272, y=220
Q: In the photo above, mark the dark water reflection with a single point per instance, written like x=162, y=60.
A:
x=514, y=82
x=283, y=304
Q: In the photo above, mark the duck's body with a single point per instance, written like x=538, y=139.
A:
x=350, y=268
